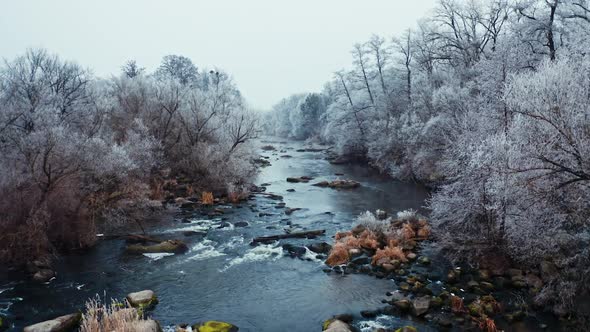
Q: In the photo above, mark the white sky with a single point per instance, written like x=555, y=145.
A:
x=273, y=48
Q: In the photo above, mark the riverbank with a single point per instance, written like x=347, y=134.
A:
x=257, y=288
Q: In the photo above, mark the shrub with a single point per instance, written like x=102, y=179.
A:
x=207, y=198
x=389, y=253
x=338, y=255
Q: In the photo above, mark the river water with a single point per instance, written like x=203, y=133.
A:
x=222, y=277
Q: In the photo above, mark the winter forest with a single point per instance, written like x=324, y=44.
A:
x=483, y=106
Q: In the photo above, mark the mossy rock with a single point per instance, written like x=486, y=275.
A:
x=143, y=300
x=436, y=302
x=215, y=326
x=169, y=246
x=424, y=260
x=327, y=323
x=407, y=329
x=474, y=309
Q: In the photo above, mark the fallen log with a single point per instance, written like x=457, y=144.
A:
x=271, y=238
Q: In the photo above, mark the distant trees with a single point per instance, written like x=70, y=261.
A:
x=488, y=103
x=179, y=68
x=73, y=146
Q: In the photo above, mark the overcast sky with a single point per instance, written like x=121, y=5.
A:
x=272, y=48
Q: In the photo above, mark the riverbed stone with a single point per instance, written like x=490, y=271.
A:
x=142, y=299
x=403, y=304
x=420, y=305
x=214, y=326
x=59, y=324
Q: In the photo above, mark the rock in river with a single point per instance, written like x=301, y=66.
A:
x=215, y=326
x=43, y=275
x=59, y=324
x=420, y=305
x=169, y=246
x=144, y=298
x=320, y=247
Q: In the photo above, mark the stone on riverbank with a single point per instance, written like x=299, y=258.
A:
x=214, y=326
x=169, y=246
x=59, y=324
x=142, y=299
x=336, y=326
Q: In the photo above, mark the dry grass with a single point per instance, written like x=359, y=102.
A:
x=338, y=255
x=407, y=232
x=424, y=231
x=114, y=317
x=488, y=325
x=390, y=253
x=457, y=305
x=207, y=198
x=351, y=242
x=368, y=240
x=237, y=196
x=341, y=235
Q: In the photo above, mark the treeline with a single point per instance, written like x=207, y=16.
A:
x=489, y=101
x=78, y=150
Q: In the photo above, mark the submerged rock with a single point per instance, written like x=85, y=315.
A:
x=241, y=224
x=169, y=246
x=44, y=275
x=215, y=326
x=142, y=299
x=339, y=184
x=59, y=324
x=293, y=250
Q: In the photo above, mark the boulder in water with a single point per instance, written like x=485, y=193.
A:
x=44, y=275
x=320, y=247
x=169, y=246
x=59, y=324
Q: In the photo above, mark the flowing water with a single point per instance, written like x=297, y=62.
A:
x=222, y=277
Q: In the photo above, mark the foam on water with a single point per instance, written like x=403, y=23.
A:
x=204, y=250
x=158, y=255
x=233, y=242
x=380, y=322
x=310, y=255
x=259, y=253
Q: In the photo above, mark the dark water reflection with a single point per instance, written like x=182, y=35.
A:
x=222, y=277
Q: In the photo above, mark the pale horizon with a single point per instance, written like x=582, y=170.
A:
x=271, y=50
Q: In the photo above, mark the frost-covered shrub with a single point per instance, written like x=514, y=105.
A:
x=76, y=150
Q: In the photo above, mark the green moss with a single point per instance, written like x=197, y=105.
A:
x=327, y=324
x=474, y=309
x=215, y=326
x=407, y=329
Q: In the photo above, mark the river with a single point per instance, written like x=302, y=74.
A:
x=222, y=277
